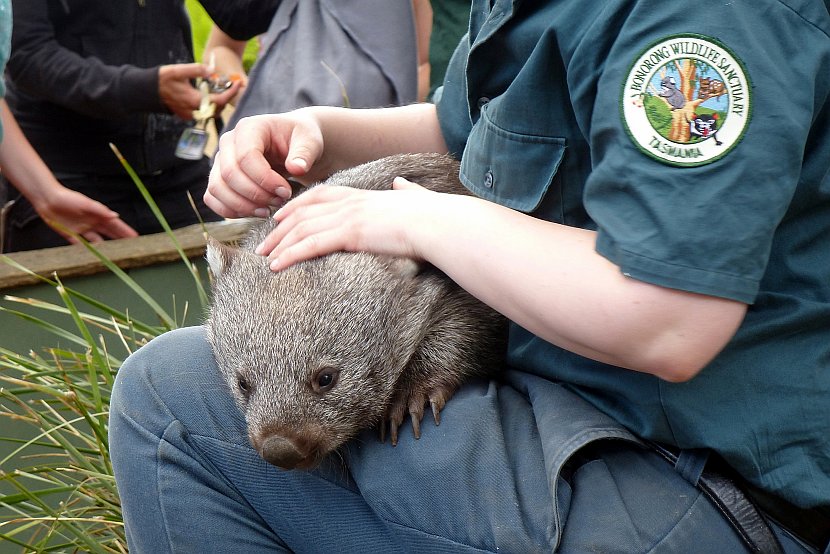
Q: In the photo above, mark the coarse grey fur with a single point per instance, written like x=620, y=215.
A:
x=327, y=347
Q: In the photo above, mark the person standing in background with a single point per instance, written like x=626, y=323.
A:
x=84, y=74
x=66, y=211
x=365, y=55
x=20, y=164
x=449, y=22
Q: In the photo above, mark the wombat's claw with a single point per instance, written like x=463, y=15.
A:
x=394, y=420
x=382, y=430
x=393, y=433
x=416, y=414
x=437, y=402
x=415, y=406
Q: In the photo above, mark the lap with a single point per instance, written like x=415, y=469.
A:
x=498, y=474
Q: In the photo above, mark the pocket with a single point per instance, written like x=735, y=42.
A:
x=20, y=214
x=509, y=168
x=569, y=429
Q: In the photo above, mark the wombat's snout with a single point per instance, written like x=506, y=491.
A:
x=288, y=450
x=281, y=452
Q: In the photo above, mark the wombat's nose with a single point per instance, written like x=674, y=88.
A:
x=281, y=452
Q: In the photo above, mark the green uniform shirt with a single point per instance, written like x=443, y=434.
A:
x=5, y=45
x=695, y=138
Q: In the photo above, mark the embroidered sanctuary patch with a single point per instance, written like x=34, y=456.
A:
x=686, y=100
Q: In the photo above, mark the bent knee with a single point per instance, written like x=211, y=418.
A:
x=162, y=371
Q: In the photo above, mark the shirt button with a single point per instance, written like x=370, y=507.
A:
x=488, y=179
x=482, y=102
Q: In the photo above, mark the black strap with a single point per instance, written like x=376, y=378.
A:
x=736, y=507
x=812, y=525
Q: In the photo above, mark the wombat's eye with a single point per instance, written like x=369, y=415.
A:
x=324, y=379
x=244, y=386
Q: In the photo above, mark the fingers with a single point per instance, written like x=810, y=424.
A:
x=187, y=71
x=233, y=194
x=314, y=225
x=246, y=186
x=242, y=182
x=312, y=245
x=225, y=97
x=312, y=217
x=98, y=221
x=115, y=228
x=329, y=219
x=92, y=236
x=176, y=89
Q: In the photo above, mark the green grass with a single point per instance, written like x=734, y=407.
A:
x=58, y=489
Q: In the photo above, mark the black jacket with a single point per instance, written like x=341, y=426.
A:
x=84, y=73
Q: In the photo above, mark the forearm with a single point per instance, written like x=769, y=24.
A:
x=571, y=296
x=422, y=12
x=224, y=52
x=21, y=164
x=353, y=136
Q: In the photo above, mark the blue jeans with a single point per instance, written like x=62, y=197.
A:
x=491, y=478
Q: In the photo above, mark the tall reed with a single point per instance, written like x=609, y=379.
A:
x=62, y=495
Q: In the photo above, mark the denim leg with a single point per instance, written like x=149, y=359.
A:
x=480, y=482
x=190, y=482
x=166, y=399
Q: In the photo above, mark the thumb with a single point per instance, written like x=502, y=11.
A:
x=190, y=70
x=303, y=150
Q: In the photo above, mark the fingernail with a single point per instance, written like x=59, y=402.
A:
x=261, y=212
x=284, y=193
x=260, y=249
x=275, y=264
x=301, y=162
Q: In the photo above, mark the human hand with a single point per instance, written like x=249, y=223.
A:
x=330, y=219
x=176, y=88
x=251, y=166
x=228, y=95
x=67, y=210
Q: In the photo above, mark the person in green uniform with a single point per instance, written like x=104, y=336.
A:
x=652, y=213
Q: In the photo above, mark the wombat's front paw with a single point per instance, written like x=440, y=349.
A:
x=414, y=403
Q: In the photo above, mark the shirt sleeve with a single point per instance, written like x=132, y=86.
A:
x=241, y=19
x=41, y=66
x=674, y=204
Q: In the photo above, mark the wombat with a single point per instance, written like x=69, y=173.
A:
x=327, y=347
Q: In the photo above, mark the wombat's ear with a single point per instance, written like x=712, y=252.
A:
x=405, y=267
x=219, y=256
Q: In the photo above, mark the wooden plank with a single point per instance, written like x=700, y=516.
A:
x=75, y=260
